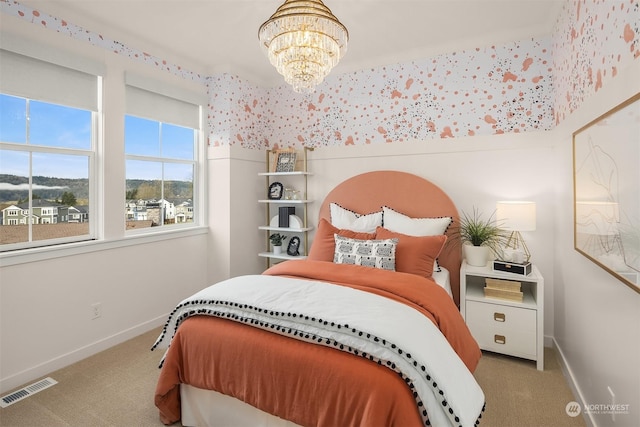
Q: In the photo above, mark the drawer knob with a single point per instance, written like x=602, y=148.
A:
x=500, y=339
x=499, y=317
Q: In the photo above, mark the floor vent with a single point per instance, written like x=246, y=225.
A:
x=27, y=391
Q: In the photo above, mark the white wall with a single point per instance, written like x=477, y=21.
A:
x=234, y=211
x=597, y=317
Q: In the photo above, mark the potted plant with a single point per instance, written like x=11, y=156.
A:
x=479, y=237
x=276, y=240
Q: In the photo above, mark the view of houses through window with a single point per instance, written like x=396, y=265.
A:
x=160, y=165
x=46, y=152
x=50, y=140
x=45, y=158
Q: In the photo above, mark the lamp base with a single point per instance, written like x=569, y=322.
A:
x=518, y=247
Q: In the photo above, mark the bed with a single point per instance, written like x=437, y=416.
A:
x=358, y=334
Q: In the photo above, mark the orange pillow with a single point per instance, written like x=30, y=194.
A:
x=414, y=255
x=324, y=244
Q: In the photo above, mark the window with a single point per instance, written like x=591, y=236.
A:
x=48, y=122
x=161, y=146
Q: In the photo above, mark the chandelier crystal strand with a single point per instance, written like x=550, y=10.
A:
x=304, y=41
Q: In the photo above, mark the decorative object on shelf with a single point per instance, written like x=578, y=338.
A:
x=512, y=267
x=295, y=222
x=294, y=246
x=606, y=188
x=285, y=161
x=276, y=240
x=304, y=41
x=503, y=289
x=479, y=237
x=287, y=193
x=516, y=216
x=276, y=191
x=291, y=194
x=284, y=213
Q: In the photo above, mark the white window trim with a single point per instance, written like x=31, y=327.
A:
x=43, y=253
x=200, y=164
x=121, y=239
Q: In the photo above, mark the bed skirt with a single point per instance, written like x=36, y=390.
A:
x=208, y=408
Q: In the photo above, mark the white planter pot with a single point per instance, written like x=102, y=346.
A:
x=477, y=256
x=277, y=250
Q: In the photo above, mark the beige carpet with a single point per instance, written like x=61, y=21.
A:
x=115, y=388
x=519, y=395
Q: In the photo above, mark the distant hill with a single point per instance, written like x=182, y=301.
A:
x=52, y=188
x=44, y=187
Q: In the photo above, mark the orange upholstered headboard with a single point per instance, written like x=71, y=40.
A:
x=406, y=193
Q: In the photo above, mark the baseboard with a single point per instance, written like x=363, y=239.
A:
x=575, y=388
x=44, y=369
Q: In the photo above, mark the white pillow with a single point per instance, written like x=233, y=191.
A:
x=369, y=253
x=348, y=220
x=400, y=223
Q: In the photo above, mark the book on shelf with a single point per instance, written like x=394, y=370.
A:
x=507, y=285
x=503, y=294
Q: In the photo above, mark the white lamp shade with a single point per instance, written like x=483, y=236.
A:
x=516, y=215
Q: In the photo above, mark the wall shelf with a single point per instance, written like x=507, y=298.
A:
x=297, y=178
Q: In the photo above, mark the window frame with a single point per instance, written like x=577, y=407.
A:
x=93, y=177
x=162, y=90
x=107, y=217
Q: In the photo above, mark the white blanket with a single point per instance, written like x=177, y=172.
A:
x=359, y=322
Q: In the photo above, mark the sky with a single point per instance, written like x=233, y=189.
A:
x=52, y=125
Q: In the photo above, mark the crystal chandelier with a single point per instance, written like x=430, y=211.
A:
x=304, y=41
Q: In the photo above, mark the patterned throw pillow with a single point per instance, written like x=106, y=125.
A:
x=369, y=253
x=324, y=244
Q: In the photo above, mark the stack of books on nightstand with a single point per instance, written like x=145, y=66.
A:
x=503, y=289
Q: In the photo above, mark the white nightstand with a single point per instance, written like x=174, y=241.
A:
x=502, y=326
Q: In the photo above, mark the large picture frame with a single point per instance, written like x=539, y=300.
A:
x=606, y=172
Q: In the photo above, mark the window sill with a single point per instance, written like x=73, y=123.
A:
x=70, y=249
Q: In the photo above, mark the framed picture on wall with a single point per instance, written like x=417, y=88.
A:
x=606, y=172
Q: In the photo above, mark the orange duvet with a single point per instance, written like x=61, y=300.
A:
x=306, y=383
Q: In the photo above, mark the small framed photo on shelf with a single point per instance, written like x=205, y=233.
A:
x=285, y=161
x=294, y=246
x=276, y=191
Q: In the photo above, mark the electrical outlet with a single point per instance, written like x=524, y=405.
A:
x=96, y=310
x=613, y=404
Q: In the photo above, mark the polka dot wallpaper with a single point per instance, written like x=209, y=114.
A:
x=593, y=40
x=491, y=90
x=530, y=85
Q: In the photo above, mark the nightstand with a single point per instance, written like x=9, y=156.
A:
x=504, y=326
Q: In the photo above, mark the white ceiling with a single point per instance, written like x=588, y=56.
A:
x=210, y=36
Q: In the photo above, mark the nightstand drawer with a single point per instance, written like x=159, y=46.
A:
x=503, y=329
